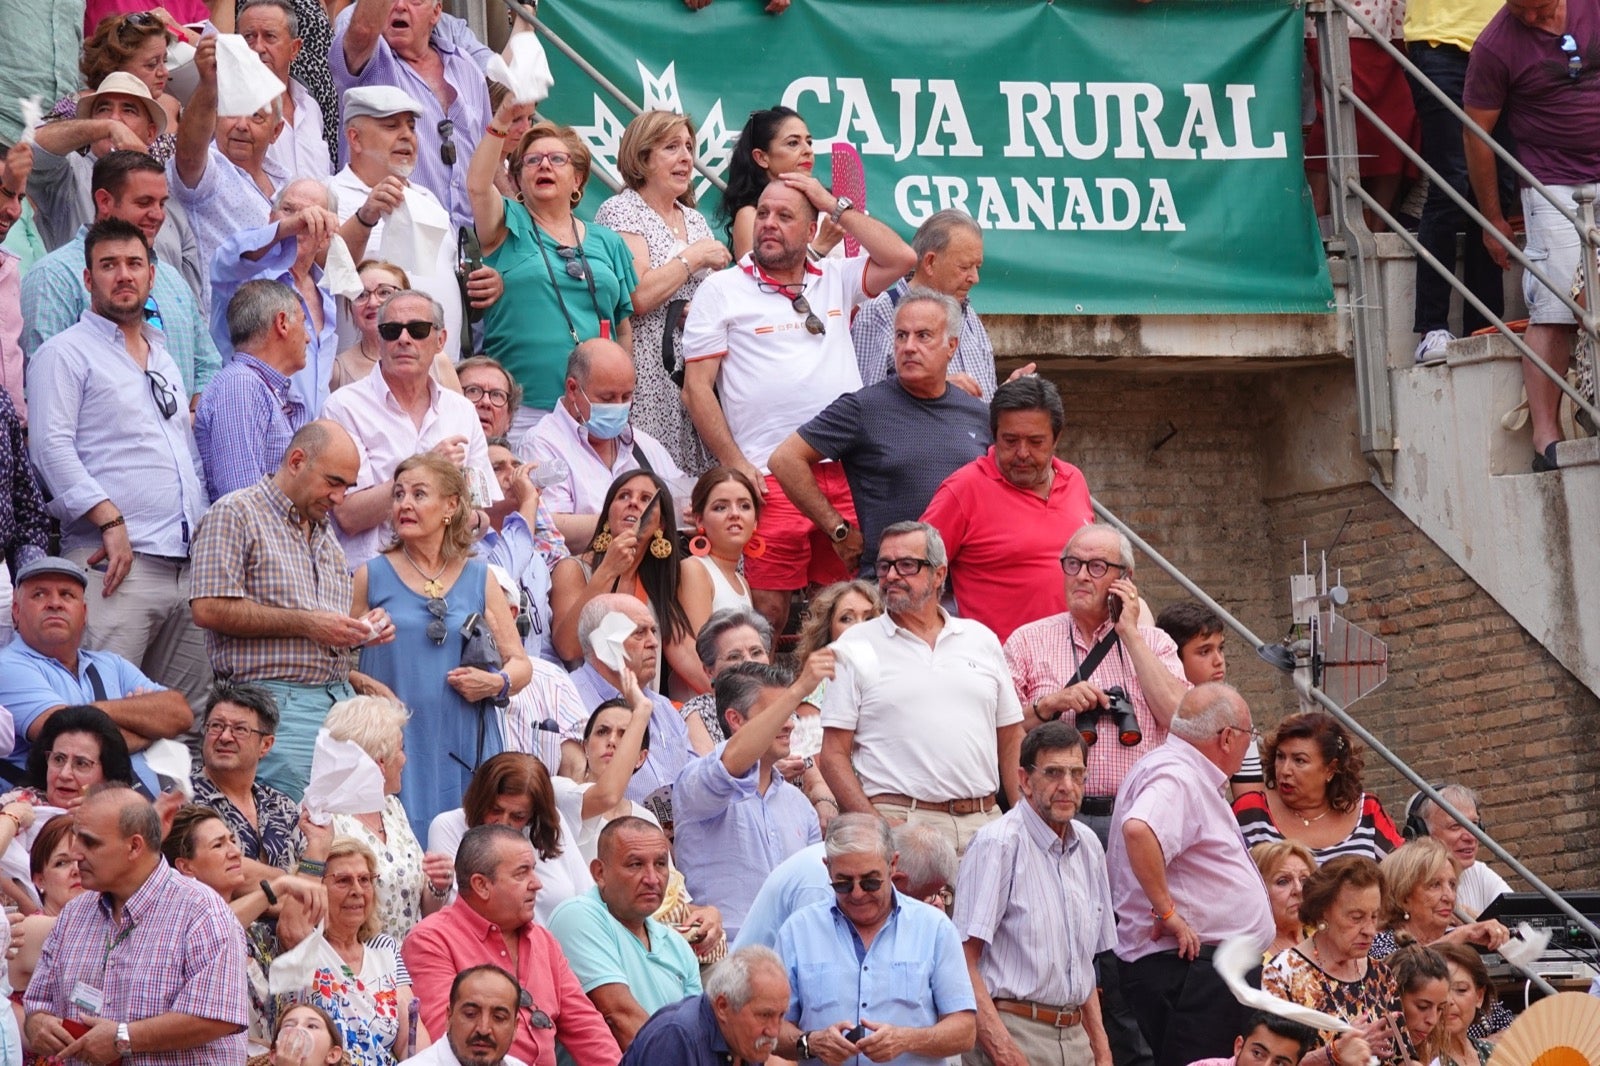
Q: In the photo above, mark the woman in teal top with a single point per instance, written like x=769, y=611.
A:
x=566, y=280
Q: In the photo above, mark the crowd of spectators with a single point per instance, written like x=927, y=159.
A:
x=398, y=664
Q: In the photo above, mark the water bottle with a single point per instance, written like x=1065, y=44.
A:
x=548, y=472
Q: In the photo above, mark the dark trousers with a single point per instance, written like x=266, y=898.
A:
x=1442, y=147
x=1184, y=1010
x=1128, y=1047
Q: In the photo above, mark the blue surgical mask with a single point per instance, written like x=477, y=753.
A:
x=606, y=420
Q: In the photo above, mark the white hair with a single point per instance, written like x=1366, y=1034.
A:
x=731, y=979
x=1205, y=711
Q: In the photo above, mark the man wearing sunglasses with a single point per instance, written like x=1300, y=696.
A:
x=766, y=347
x=873, y=972
x=111, y=440
x=396, y=412
x=922, y=723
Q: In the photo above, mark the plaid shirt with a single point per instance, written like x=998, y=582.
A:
x=250, y=546
x=178, y=949
x=1042, y=655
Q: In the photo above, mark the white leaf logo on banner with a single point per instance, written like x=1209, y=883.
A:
x=713, y=140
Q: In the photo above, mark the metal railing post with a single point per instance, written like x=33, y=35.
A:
x=1369, y=350
x=1584, y=195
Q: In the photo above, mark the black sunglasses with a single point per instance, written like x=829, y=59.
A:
x=447, y=146
x=573, y=259
x=798, y=301
x=843, y=886
x=166, y=399
x=536, y=1017
x=418, y=328
x=437, y=630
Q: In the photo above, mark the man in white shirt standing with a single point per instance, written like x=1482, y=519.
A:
x=398, y=411
x=272, y=30
x=766, y=347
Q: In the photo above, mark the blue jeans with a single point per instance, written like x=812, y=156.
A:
x=1442, y=148
x=301, y=709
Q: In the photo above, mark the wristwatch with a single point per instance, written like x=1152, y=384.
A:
x=844, y=204
x=802, y=1047
x=124, y=1045
x=840, y=531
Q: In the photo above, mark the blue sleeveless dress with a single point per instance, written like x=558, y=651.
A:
x=442, y=724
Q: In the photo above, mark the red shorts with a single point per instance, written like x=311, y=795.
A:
x=797, y=552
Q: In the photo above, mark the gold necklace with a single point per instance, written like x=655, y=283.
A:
x=432, y=587
x=1307, y=821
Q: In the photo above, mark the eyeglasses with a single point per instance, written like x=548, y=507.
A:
x=904, y=567
x=436, y=628
x=555, y=159
x=843, y=886
x=1255, y=734
x=573, y=259
x=378, y=295
x=152, y=313
x=497, y=397
x=1097, y=567
x=161, y=392
x=536, y=1017
x=419, y=329
x=1057, y=774
x=1569, y=45
x=447, y=146
x=244, y=732
x=59, y=759
x=797, y=300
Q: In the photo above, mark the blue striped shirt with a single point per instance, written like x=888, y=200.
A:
x=243, y=424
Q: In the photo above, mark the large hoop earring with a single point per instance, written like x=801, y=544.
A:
x=757, y=547
x=577, y=197
x=700, y=544
x=602, y=539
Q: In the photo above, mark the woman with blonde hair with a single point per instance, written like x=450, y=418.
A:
x=1284, y=866
x=830, y=612
x=1420, y=882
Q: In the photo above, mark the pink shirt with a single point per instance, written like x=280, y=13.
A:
x=1177, y=792
x=1005, y=543
x=187, y=12
x=457, y=937
x=11, y=331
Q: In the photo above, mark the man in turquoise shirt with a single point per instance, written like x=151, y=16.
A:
x=629, y=964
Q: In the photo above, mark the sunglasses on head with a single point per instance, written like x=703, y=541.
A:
x=418, y=328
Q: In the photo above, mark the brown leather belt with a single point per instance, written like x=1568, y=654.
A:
x=975, y=805
x=1061, y=1019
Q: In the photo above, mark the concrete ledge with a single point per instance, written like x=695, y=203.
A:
x=1277, y=339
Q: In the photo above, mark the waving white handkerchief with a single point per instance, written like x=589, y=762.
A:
x=244, y=84
x=413, y=231
x=613, y=629
x=339, y=274
x=528, y=74
x=1236, y=957
x=344, y=780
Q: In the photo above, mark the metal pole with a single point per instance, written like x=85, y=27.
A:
x=1355, y=727
x=1585, y=197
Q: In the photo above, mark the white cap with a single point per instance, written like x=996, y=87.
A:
x=378, y=101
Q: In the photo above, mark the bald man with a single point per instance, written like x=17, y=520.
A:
x=148, y=962
x=272, y=590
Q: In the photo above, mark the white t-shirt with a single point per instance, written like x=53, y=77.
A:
x=1478, y=887
x=560, y=878
x=775, y=375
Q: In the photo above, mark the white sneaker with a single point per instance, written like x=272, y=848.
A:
x=1431, y=350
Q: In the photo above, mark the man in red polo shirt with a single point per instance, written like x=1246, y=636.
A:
x=1005, y=515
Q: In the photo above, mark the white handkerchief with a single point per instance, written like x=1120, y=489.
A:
x=291, y=971
x=613, y=629
x=528, y=74
x=1524, y=949
x=1236, y=957
x=860, y=657
x=170, y=759
x=182, y=77
x=344, y=780
x=339, y=273
x=32, y=114
x=413, y=231
x=244, y=84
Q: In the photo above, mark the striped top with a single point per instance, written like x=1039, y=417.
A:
x=1374, y=836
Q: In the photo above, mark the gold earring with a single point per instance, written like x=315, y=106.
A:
x=660, y=546
x=602, y=539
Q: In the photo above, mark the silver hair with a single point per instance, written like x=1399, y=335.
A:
x=438, y=308
x=1124, y=545
x=376, y=724
x=1205, y=711
x=1458, y=796
x=255, y=306
x=330, y=198
x=924, y=855
x=288, y=13
x=936, y=552
x=731, y=979
x=858, y=834
x=720, y=622
x=934, y=235
x=594, y=612
x=946, y=304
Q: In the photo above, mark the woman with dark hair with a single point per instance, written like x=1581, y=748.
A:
x=514, y=789
x=775, y=141
x=726, y=507
x=77, y=748
x=1313, y=793
x=56, y=880
x=1423, y=983
x=1329, y=970
x=634, y=551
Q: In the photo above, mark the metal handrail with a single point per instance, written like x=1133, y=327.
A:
x=1327, y=702
x=530, y=15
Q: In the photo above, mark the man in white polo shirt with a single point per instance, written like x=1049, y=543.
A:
x=766, y=347
x=921, y=724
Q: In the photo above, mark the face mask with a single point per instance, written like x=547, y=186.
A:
x=606, y=421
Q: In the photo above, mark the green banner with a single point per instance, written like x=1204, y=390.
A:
x=1122, y=158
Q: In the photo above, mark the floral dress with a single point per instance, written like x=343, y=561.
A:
x=400, y=881
x=365, y=1006
x=657, y=404
x=1295, y=977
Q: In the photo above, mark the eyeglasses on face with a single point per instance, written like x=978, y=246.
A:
x=161, y=392
x=80, y=765
x=907, y=567
x=377, y=295
x=1255, y=734
x=496, y=397
x=1097, y=567
x=1057, y=774
x=437, y=630
x=532, y=160
x=843, y=886
x=216, y=729
x=419, y=328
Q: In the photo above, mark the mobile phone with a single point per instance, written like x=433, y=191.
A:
x=1114, y=606
x=856, y=1035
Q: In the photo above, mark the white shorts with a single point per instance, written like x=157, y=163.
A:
x=1553, y=248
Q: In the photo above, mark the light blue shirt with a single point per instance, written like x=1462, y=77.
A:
x=243, y=424
x=97, y=434
x=53, y=298
x=798, y=882
x=601, y=951
x=225, y=201
x=913, y=974
x=729, y=836
x=230, y=270
x=514, y=548
x=651, y=784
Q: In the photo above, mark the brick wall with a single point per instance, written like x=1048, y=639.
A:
x=1471, y=696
